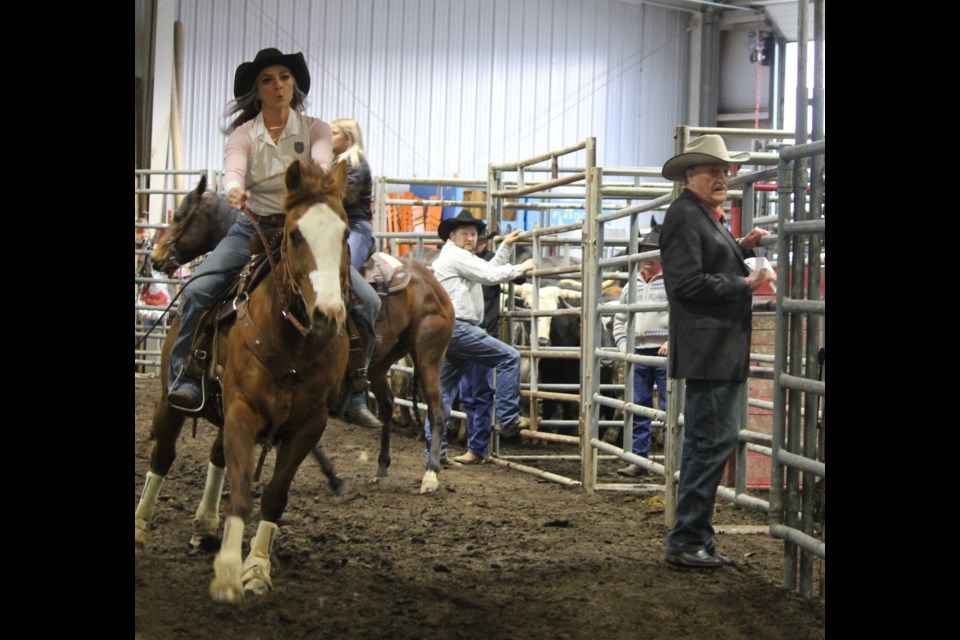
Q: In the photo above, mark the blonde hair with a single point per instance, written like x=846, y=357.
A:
x=354, y=150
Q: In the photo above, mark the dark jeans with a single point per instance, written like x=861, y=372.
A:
x=476, y=400
x=222, y=266
x=644, y=377
x=711, y=426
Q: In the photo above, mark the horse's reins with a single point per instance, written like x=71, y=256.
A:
x=285, y=285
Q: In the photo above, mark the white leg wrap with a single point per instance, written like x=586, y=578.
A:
x=262, y=543
x=256, y=568
x=210, y=503
x=232, y=542
x=226, y=585
x=148, y=499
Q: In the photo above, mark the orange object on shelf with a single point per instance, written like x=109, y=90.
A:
x=411, y=218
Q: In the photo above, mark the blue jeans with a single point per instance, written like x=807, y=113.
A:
x=221, y=267
x=644, y=377
x=712, y=414
x=361, y=243
x=364, y=304
x=207, y=285
x=364, y=307
x=472, y=345
x=476, y=400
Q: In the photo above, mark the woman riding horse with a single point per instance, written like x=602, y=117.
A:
x=348, y=149
x=267, y=134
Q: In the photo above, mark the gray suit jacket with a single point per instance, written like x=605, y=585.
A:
x=710, y=303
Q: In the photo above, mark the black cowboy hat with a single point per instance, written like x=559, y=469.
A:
x=463, y=218
x=247, y=72
x=489, y=235
x=652, y=237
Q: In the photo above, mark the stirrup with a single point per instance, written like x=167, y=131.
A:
x=203, y=395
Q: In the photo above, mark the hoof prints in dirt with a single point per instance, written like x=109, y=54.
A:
x=496, y=555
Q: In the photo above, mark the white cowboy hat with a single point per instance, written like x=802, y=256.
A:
x=708, y=149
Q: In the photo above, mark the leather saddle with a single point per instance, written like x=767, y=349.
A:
x=385, y=274
x=203, y=362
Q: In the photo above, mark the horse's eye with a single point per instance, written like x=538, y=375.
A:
x=295, y=236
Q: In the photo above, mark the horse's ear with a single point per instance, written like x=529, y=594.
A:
x=201, y=186
x=294, y=175
x=340, y=176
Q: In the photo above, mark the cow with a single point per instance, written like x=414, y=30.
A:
x=565, y=331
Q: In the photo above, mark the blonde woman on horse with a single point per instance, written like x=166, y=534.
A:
x=269, y=131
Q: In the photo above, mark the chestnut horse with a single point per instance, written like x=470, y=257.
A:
x=283, y=361
x=416, y=321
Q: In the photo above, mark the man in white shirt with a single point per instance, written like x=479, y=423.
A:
x=463, y=275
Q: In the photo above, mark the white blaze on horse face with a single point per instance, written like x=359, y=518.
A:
x=323, y=230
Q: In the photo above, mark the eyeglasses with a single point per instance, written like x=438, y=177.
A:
x=713, y=170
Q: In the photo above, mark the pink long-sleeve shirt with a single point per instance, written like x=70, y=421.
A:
x=253, y=161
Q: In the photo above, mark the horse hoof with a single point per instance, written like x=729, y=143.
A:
x=256, y=581
x=226, y=592
x=430, y=483
x=205, y=542
x=256, y=588
x=342, y=488
x=139, y=540
x=205, y=535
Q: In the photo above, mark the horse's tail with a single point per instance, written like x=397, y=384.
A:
x=413, y=397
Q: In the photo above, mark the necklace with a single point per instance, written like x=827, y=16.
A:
x=279, y=126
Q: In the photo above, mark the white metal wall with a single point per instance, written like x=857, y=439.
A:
x=442, y=88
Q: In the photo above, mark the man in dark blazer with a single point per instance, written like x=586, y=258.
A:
x=710, y=293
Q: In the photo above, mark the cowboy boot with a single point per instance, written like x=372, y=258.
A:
x=356, y=411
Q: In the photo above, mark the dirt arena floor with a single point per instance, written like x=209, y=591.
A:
x=495, y=553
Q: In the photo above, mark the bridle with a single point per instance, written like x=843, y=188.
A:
x=179, y=227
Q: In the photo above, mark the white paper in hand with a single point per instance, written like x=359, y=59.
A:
x=760, y=263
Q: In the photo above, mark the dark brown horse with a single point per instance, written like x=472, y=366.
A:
x=191, y=235
x=279, y=376
x=417, y=321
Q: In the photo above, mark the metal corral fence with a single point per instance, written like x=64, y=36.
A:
x=794, y=505
x=796, y=444
x=798, y=477
x=504, y=195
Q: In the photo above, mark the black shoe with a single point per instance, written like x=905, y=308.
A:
x=362, y=417
x=722, y=559
x=698, y=559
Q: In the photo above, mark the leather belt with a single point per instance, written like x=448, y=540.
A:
x=276, y=220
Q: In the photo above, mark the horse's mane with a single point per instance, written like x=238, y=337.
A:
x=313, y=184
